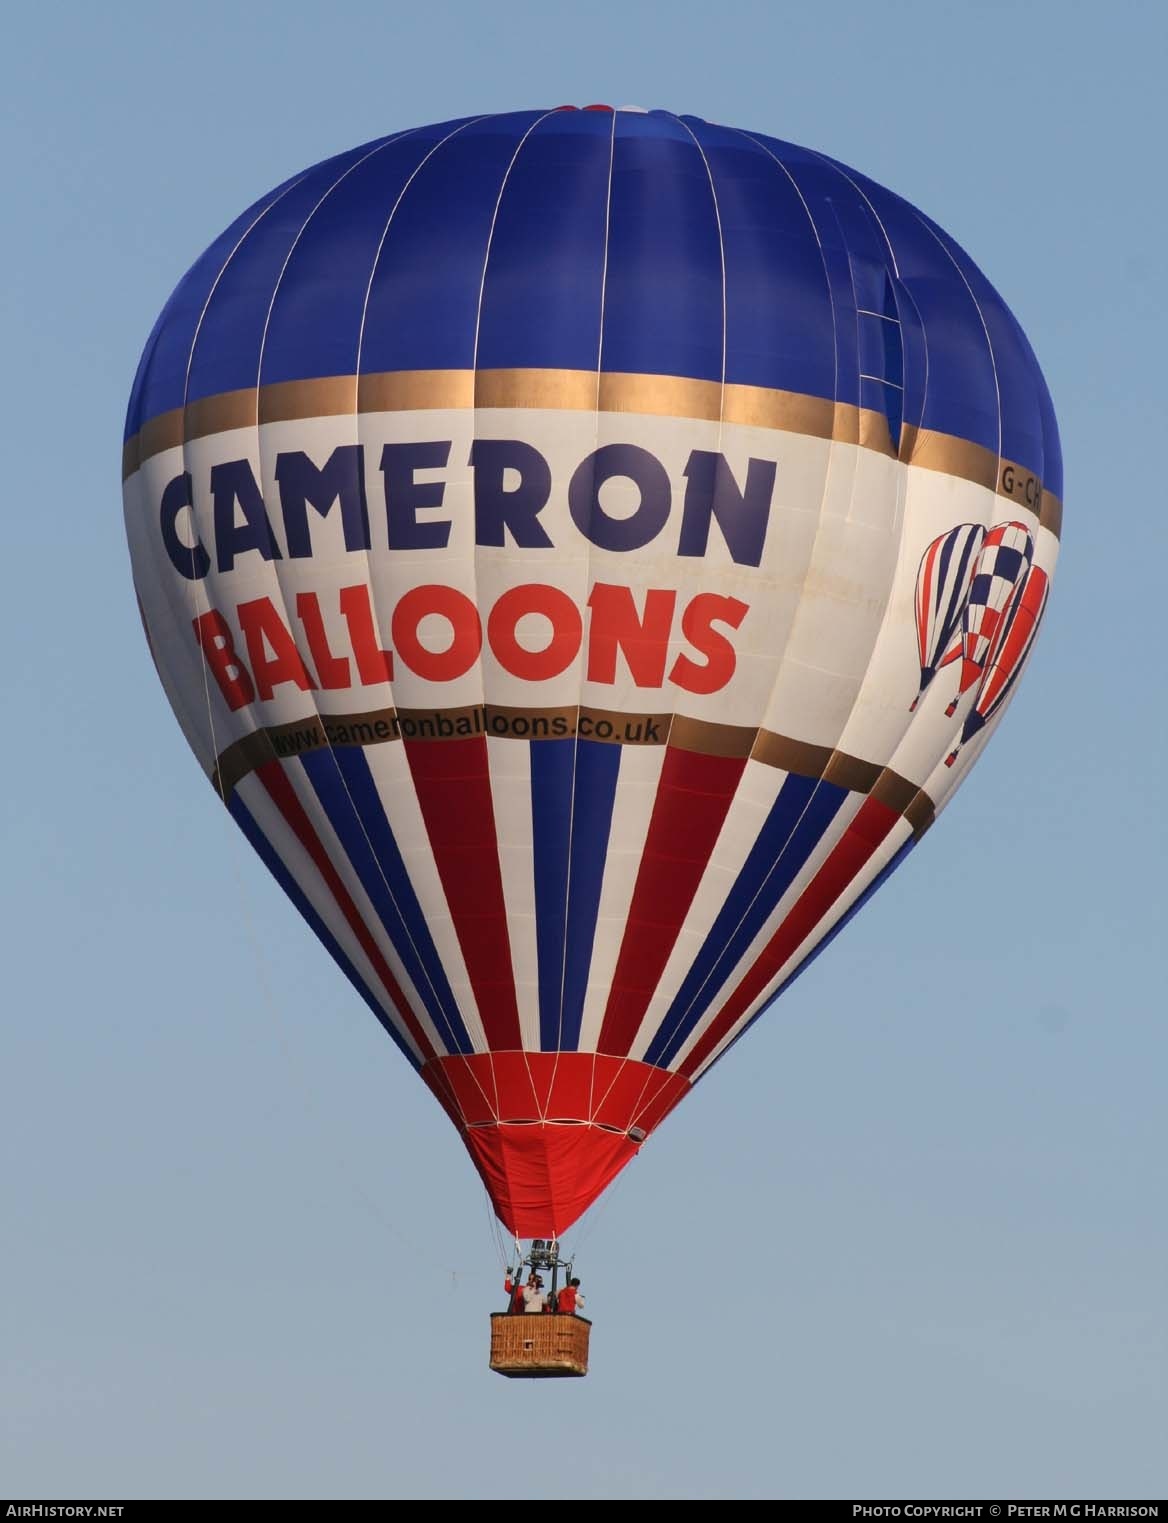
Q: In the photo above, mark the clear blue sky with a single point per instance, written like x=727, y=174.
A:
x=910, y=1239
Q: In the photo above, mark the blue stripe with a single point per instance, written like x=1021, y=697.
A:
x=1050, y=466
x=876, y=883
x=226, y=353
x=345, y=787
x=424, y=301
x=779, y=330
x=845, y=327
x=1020, y=383
x=545, y=273
x=663, y=290
x=855, y=256
x=956, y=598
x=798, y=819
x=914, y=352
x=974, y=720
x=963, y=361
x=948, y=623
x=961, y=397
x=809, y=247
x=264, y=849
x=315, y=324
x=160, y=384
x=573, y=791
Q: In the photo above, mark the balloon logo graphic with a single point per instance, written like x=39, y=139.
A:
x=943, y=584
x=542, y=524
x=1001, y=565
x=1013, y=637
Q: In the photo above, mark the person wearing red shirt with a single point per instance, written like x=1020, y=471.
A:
x=514, y=1288
x=570, y=1301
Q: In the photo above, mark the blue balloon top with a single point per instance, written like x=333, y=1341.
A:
x=622, y=241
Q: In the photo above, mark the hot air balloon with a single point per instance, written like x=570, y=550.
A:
x=1002, y=563
x=943, y=585
x=1012, y=641
x=527, y=514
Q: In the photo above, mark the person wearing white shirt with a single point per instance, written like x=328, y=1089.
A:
x=534, y=1299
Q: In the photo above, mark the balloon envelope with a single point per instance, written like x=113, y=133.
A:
x=532, y=518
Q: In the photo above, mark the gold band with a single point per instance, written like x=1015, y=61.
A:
x=589, y=391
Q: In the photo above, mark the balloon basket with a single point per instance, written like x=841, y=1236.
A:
x=539, y=1346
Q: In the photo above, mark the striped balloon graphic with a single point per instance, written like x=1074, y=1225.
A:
x=1001, y=566
x=1011, y=646
x=549, y=528
x=943, y=586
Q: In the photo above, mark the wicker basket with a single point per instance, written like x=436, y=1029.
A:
x=538, y=1346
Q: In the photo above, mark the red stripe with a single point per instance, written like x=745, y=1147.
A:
x=558, y=1132
x=1002, y=656
x=861, y=839
x=693, y=797
x=283, y=795
x=1014, y=639
x=925, y=604
x=453, y=783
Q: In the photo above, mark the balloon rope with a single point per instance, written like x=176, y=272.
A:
x=587, y=1223
x=494, y=1228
